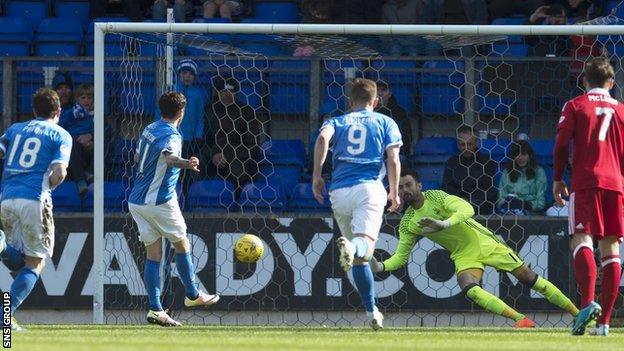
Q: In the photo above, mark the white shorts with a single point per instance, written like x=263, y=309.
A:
x=359, y=209
x=29, y=226
x=156, y=221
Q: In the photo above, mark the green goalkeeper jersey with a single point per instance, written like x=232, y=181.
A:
x=465, y=238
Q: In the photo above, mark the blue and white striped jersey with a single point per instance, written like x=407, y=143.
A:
x=155, y=182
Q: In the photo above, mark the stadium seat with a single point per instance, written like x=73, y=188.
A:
x=514, y=45
x=16, y=35
x=115, y=197
x=285, y=175
x=263, y=197
x=544, y=151
x=401, y=78
x=285, y=152
x=73, y=9
x=276, y=12
x=431, y=174
x=303, y=200
x=35, y=11
x=434, y=150
x=441, y=88
x=497, y=149
x=211, y=195
x=121, y=160
x=289, y=81
x=65, y=197
x=59, y=37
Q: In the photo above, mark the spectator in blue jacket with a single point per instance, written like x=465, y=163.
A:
x=78, y=121
x=192, y=125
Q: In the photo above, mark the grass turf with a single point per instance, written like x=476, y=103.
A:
x=152, y=338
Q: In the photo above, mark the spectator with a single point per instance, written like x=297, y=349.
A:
x=180, y=9
x=63, y=85
x=130, y=8
x=389, y=106
x=522, y=187
x=192, y=125
x=358, y=11
x=79, y=124
x=238, y=137
x=549, y=45
x=470, y=174
x=227, y=8
x=316, y=11
x=405, y=12
x=581, y=10
x=459, y=11
x=504, y=8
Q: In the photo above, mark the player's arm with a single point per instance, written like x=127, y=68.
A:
x=320, y=155
x=407, y=241
x=565, y=131
x=460, y=210
x=393, y=164
x=57, y=174
x=179, y=162
x=3, y=145
x=58, y=167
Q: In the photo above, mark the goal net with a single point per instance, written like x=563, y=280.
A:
x=256, y=97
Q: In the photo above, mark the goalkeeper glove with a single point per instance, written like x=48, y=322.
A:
x=376, y=266
x=430, y=225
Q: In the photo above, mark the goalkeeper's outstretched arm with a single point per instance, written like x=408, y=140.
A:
x=400, y=256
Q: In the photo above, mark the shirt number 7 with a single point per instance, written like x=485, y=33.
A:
x=606, y=121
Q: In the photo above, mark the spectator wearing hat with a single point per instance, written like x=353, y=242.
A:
x=180, y=9
x=192, y=125
x=238, y=134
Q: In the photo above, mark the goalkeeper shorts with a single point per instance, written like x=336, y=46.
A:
x=502, y=258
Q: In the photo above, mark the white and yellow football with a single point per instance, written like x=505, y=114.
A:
x=248, y=248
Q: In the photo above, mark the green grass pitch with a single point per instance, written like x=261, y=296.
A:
x=151, y=338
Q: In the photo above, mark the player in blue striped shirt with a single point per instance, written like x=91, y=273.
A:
x=36, y=154
x=153, y=204
x=360, y=140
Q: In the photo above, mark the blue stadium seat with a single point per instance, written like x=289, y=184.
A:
x=65, y=197
x=121, y=160
x=211, y=195
x=73, y=9
x=35, y=11
x=401, y=78
x=16, y=35
x=277, y=12
x=441, y=88
x=434, y=150
x=263, y=197
x=285, y=175
x=289, y=82
x=267, y=49
x=498, y=149
x=285, y=152
x=514, y=45
x=115, y=197
x=431, y=174
x=544, y=151
x=59, y=37
x=303, y=200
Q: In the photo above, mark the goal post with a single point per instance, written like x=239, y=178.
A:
x=469, y=104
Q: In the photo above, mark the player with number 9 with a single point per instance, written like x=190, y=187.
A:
x=357, y=194
x=594, y=123
x=36, y=157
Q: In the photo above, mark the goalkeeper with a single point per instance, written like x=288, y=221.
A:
x=447, y=220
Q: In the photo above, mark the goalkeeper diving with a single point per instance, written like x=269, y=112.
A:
x=447, y=220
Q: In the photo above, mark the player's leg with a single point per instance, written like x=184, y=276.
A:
x=143, y=216
x=12, y=258
x=532, y=280
x=469, y=281
x=609, y=246
x=171, y=224
x=364, y=278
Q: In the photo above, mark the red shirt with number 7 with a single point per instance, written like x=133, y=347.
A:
x=595, y=123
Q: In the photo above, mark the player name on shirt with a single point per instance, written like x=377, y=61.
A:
x=601, y=97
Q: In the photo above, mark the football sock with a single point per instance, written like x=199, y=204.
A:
x=585, y=273
x=187, y=274
x=12, y=258
x=492, y=303
x=22, y=286
x=365, y=283
x=361, y=246
x=152, y=284
x=611, y=273
x=554, y=295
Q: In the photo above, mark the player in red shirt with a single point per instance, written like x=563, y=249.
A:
x=594, y=123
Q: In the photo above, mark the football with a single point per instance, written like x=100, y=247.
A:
x=248, y=248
